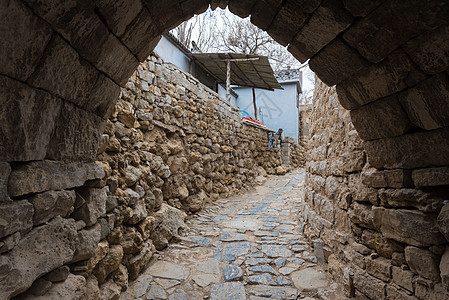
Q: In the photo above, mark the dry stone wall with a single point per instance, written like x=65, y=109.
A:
x=84, y=230
x=384, y=232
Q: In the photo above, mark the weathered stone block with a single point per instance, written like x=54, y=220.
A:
x=241, y=8
x=430, y=50
x=395, y=292
x=353, y=161
x=381, y=31
x=139, y=262
x=378, y=81
x=44, y=249
x=444, y=268
x=194, y=7
x=426, y=202
x=64, y=73
x=47, y=175
x=379, y=268
x=167, y=14
x=287, y=22
x=264, y=11
x=169, y=221
x=361, y=8
x=94, y=205
x=423, y=262
x=74, y=287
x=415, y=150
x=140, y=34
x=398, y=178
x=5, y=170
x=403, y=278
x=51, y=204
x=118, y=14
x=408, y=226
x=79, y=24
x=29, y=119
x=368, y=285
x=60, y=274
x=431, y=177
x=335, y=63
x=386, y=111
x=15, y=216
x=22, y=42
x=102, y=97
x=323, y=26
x=65, y=142
x=427, y=104
x=374, y=240
x=87, y=243
x=443, y=221
x=109, y=263
x=362, y=215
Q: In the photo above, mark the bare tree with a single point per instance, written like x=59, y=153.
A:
x=221, y=31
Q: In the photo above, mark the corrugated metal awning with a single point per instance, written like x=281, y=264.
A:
x=246, y=69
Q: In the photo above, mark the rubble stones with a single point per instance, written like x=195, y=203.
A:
x=39, y=244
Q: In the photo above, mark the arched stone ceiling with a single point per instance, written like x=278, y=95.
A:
x=62, y=63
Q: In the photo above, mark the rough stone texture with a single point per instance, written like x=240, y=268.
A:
x=443, y=221
x=444, y=268
x=169, y=271
x=361, y=8
x=47, y=175
x=39, y=244
x=5, y=170
x=65, y=143
x=336, y=62
x=228, y=290
x=378, y=81
x=423, y=262
x=431, y=177
x=15, y=216
x=331, y=19
x=385, y=210
x=377, y=34
x=386, y=111
x=169, y=223
x=429, y=50
x=23, y=42
x=93, y=205
x=82, y=28
x=414, y=150
x=51, y=204
x=109, y=263
x=408, y=226
x=32, y=116
x=87, y=243
x=387, y=179
x=427, y=103
x=59, y=63
x=288, y=21
x=74, y=287
x=60, y=274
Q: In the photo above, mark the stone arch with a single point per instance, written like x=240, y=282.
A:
x=64, y=62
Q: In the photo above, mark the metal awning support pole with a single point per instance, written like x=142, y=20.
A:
x=228, y=82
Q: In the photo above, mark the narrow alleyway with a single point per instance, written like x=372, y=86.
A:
x=244, y=247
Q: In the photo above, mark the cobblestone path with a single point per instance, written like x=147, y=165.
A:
x=244, y=247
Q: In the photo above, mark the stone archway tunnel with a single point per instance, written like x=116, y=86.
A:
x=62, y=66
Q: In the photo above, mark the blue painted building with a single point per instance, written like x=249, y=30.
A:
x=277, y=109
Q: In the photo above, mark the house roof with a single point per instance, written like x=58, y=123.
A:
x=246, y=69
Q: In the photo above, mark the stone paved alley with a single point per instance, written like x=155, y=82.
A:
x=245, y=247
